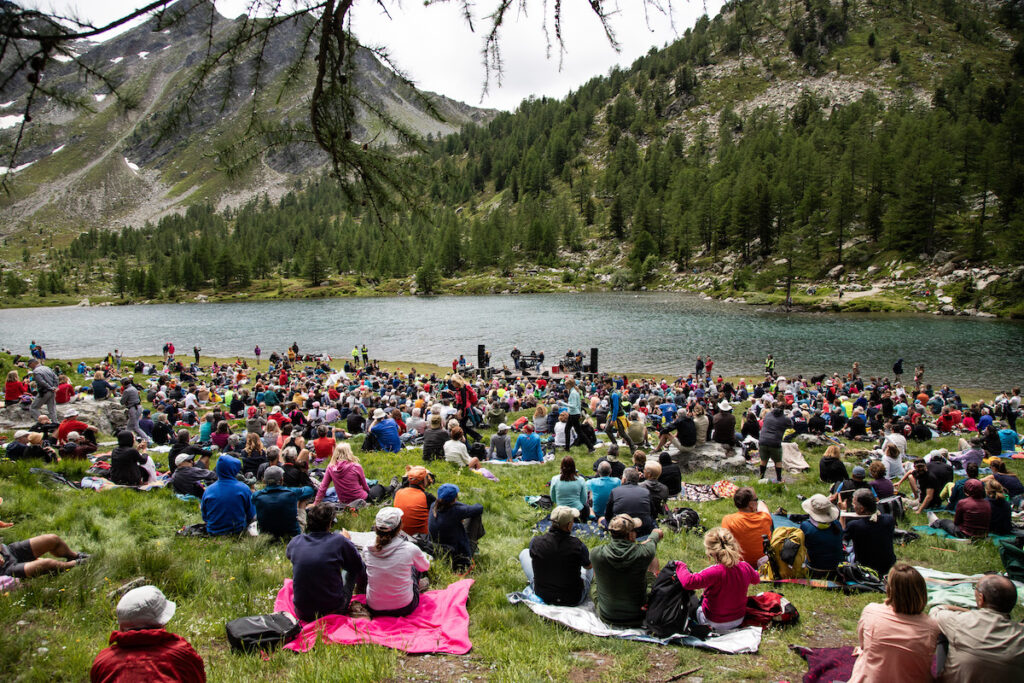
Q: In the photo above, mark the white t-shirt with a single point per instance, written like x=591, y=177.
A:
x=389, y=573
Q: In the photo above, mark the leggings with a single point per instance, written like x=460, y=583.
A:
x=616, y=425
x=573, y=425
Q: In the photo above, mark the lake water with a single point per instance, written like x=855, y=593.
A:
x=653, y=332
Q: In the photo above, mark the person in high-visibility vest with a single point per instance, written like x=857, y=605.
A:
x=769, y=365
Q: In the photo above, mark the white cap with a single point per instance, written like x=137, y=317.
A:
x=20, y=433
x=183, y=457
x=388, y=518
x=144, y=607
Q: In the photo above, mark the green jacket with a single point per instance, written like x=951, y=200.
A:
x=620, y=574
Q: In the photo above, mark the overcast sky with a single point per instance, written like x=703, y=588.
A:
x=436, y=47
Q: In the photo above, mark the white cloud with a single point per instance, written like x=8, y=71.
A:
x=436, y=48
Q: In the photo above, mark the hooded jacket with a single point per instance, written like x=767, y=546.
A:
x=349, y=482
x=389, y=575
x=619, y=570
x=227, y=504
x=153, y=655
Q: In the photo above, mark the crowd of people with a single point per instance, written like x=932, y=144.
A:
x=286, y=461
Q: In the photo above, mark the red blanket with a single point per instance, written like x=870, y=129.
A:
x=439, y=624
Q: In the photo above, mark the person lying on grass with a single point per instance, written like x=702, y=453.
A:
x=142, y=649
x=24, y=559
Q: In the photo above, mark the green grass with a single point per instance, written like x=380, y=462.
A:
x=132, y=534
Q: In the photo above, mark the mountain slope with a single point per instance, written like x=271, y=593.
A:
x=117, y=166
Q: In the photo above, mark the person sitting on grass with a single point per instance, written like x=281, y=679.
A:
x=972, y=516
x=77, y=447
x=632, y=500
x=17, y=448
x=557, y=564
x=748, y=524
x=383, y=431
x=612, y=458
x=414, y=500
x=201, y=456
x=455, y=450
x=659, y=492
x=982, y=644
x=189, y=480
x=126, y=462
x=347, y=476
x=1010, y=482
x=600, y=486
x=253, y=455
x=142, y=649
x=723, y=606
x=455, y=527
x=823, y=537
x=528, y=446
x=1001, y=520
x=671, y=475
x=871, y=533
x=24, y=559
x=896, y=636
x=879, y=482
x=501, y=444
x=280, y=511
x=226, y=505
x=620, y=570
x=394, y=568
x=569, y=489
x=325, y=566
x=831, y=469
x=923, y=484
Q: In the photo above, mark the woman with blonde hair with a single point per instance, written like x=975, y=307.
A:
x=271, y=434
x=345, y=472
x=897, y=636
x=831, y=469
x=700, y=421
x=14, y=389
x=540, y=419
x=724, y=603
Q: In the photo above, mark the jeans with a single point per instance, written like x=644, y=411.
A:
x=527, y=564
x=949, y=527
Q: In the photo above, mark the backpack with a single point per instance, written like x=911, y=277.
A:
x=684, y=519
x=668, y=605
x=786, y=555
x=262, y=632
x=857, y=577
x=477, y=450
x=770, y=609
x=893, y=505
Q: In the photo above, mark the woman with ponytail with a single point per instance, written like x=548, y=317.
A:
x=871, y=533
x=724, y=604
x=393, y=566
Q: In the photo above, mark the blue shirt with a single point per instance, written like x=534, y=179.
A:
x=1009, y=439
x=528, y=447
x=386, y=433
x=669, y=410
x=824, y=546
x=615, y=401
x=570, y=493
x=277, y=510
x=574, y=402
x=600, y=487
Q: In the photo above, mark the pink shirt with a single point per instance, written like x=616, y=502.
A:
x=894, y=646
x=349, y=482
x=725, y=589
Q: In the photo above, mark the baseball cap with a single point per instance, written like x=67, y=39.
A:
x=624, y=524
x=417, y=475
x=388, y=518
x=859, y=471
x=563, y=514
x=503, y=427
x=20, y=433
x=447, y=492
x=144, y=607
x=183, y=457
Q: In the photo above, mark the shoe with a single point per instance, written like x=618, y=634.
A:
x=424, y=584
x=763, y=480
x=81, y=559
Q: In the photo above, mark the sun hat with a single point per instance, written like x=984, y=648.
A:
x=563, y=514
x=378, y=414
x=144, y=607
x=624, y=524
x=447, y=492
x=183, y=457
x=725, y=405
x=820, y=509
x=388, y=518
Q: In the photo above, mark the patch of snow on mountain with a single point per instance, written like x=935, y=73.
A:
x=100, y=97
x=58, y=149
x=131, y=165
x=143, y=55
x=116, y=60
x=9, y=121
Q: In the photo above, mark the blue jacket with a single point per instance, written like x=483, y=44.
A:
x=227, y=503
x=528, y=447
x=386, y=433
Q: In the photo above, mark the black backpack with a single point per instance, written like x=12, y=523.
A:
x=857, y=577
x=262, y=632
x=668, y=605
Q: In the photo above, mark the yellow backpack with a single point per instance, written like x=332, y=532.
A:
x=786, y=555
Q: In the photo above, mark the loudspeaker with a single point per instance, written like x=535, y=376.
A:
x=480, y=359
x=593, y=359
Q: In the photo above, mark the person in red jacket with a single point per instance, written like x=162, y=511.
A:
x=143, y=650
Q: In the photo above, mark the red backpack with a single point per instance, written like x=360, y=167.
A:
x=770, y=609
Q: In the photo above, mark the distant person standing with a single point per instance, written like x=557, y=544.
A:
x=195, y=352
x=897, y=370
x=366, y=355
x=699, y=371
x=355, y=355
x=118, y=358
x=257, y=351
x=769, y=366
x=166, y=351
x=708, y=365
x=46, y=389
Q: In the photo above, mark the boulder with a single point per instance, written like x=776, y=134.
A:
x=942, y=256
x=836, y=272
x=946, y=268
x=947, y=310
x=713, y=456
x=873, y=269
x=107, y=415
x=985, y=282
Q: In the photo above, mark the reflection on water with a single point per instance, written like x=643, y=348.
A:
x=653, y=332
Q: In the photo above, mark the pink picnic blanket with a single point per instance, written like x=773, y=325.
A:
x=439, y=624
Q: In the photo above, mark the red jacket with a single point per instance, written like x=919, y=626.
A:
x=151, y=655
x=14, y=390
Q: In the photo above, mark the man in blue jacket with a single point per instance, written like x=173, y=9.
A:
x=385, y=431
x=227, y=503
x=528, y=446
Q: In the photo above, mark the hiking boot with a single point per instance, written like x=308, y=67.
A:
x=424, y=584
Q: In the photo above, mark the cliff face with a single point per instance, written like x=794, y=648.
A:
x=125, y=160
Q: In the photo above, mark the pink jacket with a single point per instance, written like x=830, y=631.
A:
x=725, y=589
x=349, y=482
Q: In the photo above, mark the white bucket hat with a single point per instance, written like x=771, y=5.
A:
x=145, y=607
